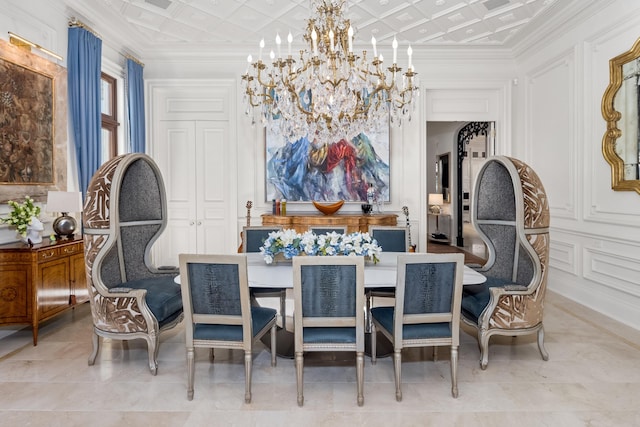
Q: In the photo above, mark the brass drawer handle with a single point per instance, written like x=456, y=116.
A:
x=70, y=250
x=49, y=255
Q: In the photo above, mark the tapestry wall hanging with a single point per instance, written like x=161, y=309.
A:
x=33, y=125
x=306, y=170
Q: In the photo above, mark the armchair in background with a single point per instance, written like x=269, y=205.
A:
x=510, y=211
x=125, y=211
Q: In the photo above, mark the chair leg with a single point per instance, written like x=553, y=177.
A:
x=299, y=378
x=95, y=340
x=374, y=344
x=283, y=308
x=397, y=369
x=543, y=350
x=152, y=345
x=360, y=376
x=483, y=341
x=211, y=355
x=190, y=372
x=368, y=323
x=435, y=353
x=454, y=371
x=273, y=344
x=247, y=376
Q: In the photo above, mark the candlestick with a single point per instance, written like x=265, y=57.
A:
x=278, y=42
x=375, y=50
x=350, y=38
x=409, y=53
x=289, y=40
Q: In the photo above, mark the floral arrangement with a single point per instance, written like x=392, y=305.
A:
x=21, y=215
x=290, y=243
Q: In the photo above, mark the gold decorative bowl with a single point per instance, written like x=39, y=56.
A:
x=328, y=208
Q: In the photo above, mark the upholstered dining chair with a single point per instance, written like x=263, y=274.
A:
x=218, y=312
x=340, y=229
x=252, y=239
x=390, y=239
x=426, y=310
x=510, y=211
x=125, y=211
x=328, y=311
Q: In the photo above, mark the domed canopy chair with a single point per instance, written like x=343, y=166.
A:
x=511, y=213
x=124, y=213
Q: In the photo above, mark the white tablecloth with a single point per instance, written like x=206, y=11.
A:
x=382, y=274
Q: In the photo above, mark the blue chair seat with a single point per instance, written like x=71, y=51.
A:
x=260, y=316
x=329, y=335
x=476, y=298
x=384, y=315
x=164, y=296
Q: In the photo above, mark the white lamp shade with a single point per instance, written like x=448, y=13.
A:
x=436, y=199
x=64, y=201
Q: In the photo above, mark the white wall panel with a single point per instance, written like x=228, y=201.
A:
x=563, y=255
x=550, y=131
x=617, y=271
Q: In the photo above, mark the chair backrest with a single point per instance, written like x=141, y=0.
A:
x=125, y=211
x=253, y=237
x=340, y=229
x=429, y=290
x=510, y=211
x=215, y=290
x=328, y=292
x=390, y=238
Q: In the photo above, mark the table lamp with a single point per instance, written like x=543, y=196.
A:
x=64, y=202
x=435, y=202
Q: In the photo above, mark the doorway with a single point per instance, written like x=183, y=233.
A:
x=465, y=146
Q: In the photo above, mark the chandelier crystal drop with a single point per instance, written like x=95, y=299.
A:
x=329, y=91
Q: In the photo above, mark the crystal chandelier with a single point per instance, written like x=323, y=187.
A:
x=329, y=92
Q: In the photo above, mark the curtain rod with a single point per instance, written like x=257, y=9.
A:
x=74, y=22
x=133, y=58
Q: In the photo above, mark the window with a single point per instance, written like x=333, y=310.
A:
x=108, y=102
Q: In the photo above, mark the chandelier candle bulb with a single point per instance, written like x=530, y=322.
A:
x=289, y=41
x=375, y=50
x=409, y=53
x=278, y=42
x=261, y=47
x=394, y=45
x=350, y=38
x=314, y=42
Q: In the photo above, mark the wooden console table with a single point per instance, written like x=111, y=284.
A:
x=39, y=282
x=354, y=222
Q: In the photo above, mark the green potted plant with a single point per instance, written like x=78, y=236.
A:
x=24, y=217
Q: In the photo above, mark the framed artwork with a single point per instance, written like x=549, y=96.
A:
x=26, y=111
x=33, y=125
x=306, y=170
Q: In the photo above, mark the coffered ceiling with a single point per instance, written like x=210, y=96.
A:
x=154, y=26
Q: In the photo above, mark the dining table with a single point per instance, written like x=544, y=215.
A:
x=376, y=275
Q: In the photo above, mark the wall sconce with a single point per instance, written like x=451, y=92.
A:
x=435, y=202
x=64, y=202
x=19, y=41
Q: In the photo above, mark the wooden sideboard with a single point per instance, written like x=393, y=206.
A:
x=354, y=222
x=39, y=282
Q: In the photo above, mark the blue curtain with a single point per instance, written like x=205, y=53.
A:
x=83, y=75
x=135, y=99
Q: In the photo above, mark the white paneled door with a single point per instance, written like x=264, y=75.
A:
x=197, y=184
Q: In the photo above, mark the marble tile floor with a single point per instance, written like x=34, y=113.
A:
x=591, y=379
